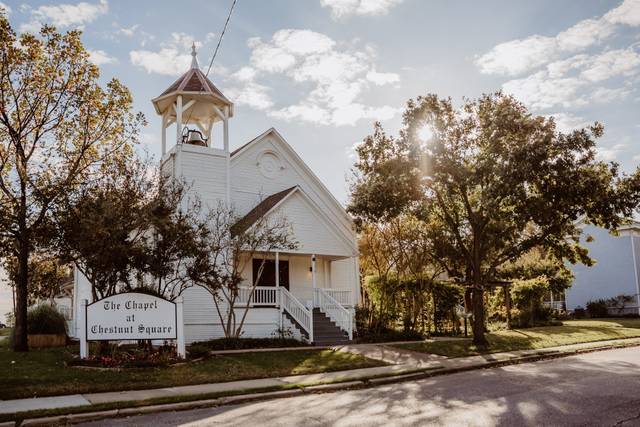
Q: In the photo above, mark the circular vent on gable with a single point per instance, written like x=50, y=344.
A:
x=269, y=164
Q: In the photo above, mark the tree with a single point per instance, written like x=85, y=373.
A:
x=399, y=270
x=56, y=123
x=99, y=226
x=496, y=181
x=173, y=241
x=129, y=228
x=47, y=275
x=230, y=246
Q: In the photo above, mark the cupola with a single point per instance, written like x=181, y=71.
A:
x=194, y=104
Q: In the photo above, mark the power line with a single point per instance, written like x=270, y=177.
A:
x=215, y=52
x=224, y=29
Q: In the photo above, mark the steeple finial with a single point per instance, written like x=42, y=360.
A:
x=194, y=60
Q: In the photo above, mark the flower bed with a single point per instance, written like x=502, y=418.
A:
x=130, y=358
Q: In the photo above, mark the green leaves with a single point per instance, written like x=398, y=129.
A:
x=491, y=182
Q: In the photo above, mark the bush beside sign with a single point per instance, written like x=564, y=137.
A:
x=133, y=316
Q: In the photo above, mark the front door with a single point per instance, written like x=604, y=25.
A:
x=268, y=277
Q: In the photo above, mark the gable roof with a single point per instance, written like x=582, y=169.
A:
x=194, y=80
x=300, y=163
x=261, y=209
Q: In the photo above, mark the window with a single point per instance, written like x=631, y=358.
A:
x=268, y=277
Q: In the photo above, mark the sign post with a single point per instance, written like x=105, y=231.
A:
x=132, y=316
x=84, y=347
x=180, y=315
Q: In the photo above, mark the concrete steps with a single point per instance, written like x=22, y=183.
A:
x=325, y=332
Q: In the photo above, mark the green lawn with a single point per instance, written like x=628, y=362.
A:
x=571, y=332
x=43, y=372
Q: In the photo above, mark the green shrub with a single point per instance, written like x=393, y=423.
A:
x=44, y=319
x=527, y=298
x=619, y=303
x=389, y=335
x=597, y=308
x=249, y=343
x=196, y=351
x=579, y=313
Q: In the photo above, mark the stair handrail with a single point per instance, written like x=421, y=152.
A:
x=297, y=310
x=336, y=312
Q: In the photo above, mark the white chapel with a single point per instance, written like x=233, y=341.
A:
x=310, y=291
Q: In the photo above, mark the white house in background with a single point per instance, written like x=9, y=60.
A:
x=311, y=290
x=616, y=271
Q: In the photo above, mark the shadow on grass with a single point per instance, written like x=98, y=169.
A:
x=44, y=373
x=571, y=332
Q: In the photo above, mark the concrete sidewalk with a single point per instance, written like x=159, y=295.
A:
x=402, y=362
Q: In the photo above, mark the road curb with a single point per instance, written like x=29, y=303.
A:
x=300, y=390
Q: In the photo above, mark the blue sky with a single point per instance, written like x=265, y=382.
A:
x=321, y=71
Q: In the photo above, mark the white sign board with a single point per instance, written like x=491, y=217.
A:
x=131, y=316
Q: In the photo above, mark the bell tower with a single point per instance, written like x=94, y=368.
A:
x=195, y=105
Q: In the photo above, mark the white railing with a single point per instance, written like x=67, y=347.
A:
x=262, y=296
x=332, y=308
x=554, y=305
x=299, y=312
x=342, y=295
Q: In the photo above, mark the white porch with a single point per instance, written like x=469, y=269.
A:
x=299, y=284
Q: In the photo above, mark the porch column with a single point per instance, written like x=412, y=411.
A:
x=178, y=119
x=164, y=134
x=225, y=137
x=313, y=279
x=313, y=271
x=356, y=297
x=278, y=293
x=277, y=269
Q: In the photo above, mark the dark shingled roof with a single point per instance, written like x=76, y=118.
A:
x=194, y=80
x=259, y=211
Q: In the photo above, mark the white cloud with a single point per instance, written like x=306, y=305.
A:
x=304, y=111
x=252, y=94
x=627, y=13
x=518, y=56
x=245, y=74
x=345, y=8
x=6, y=8
x=611, y=153
x=611, y=63
x=339, y=77
x=566, y=122
x=172, y=59
x=128, y=32
x=382, y=78
x=64, y=15
x=100, y=57
x=572, y=82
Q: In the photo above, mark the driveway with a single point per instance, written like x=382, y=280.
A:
x=601, y=388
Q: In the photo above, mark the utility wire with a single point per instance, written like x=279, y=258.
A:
x=215, y=52
x=224, y=29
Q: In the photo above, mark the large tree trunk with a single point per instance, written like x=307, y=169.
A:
x=477, y=300
x=20, y=332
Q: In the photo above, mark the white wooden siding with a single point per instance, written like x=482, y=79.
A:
x=201, y=321
x=204, y=172
x=248, y=185
x=311, y=230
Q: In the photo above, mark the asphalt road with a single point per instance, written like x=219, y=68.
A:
x=601, y=388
